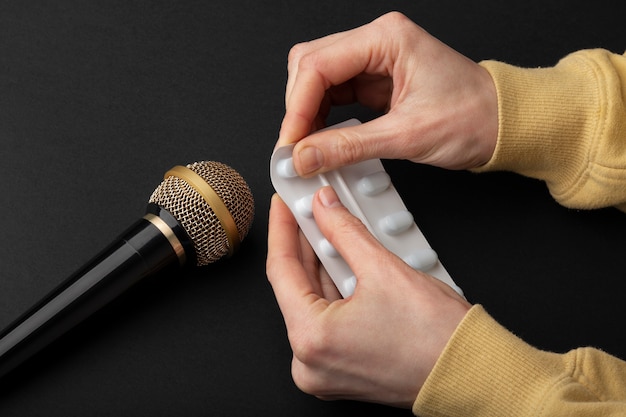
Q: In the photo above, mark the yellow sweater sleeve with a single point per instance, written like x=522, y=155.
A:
x=565, y=125
x=485, y=370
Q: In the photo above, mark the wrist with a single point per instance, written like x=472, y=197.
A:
x=484, y=370
x=550, y=119
x=487, y=127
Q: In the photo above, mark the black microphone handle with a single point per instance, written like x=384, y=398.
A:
x=152, y=243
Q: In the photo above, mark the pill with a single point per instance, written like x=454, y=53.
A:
x=422, y=259
x=285, y=168
x=374, y=184
x=328, y=249
x=396, y=223
x=348, y=286
x=304, y=206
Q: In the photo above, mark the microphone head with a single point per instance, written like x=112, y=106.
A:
x=213, y=204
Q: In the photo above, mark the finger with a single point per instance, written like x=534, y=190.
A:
x=330, y=149
x=347, y=234
x=316, y=71
x=363, y=253
x=328, y=287
x=318, y=276
x=304, y=48
x=294, y=126
x=294, y=291
x=365, y=43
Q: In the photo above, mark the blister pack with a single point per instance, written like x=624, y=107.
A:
x=366, y=190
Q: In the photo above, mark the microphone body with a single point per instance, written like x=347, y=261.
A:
x=142, y=250
x=198, y=214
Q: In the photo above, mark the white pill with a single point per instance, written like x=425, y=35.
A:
x=422, y=259
x=348, y=286
x=285, y=168
x=396, y=223
x=328, y=249
x=304, y=206
x=374, y=184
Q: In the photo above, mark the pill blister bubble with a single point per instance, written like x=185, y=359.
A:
x=285, y=168
x=349, y=285
x=304, y=206
x=396, y=223
x=422, y=259
x=374, y=184
x=328, y=249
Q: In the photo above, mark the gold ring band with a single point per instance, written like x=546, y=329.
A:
x=214, y=200
x=169, y=235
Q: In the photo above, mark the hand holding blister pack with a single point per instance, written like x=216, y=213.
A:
x=366, y=190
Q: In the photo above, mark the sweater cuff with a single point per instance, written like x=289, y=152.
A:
x=552, y=122
x=484, y=370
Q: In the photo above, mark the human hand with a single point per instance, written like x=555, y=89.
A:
x=380, y=344
x=441, y=107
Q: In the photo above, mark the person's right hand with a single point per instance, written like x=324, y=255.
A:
x=441, y=107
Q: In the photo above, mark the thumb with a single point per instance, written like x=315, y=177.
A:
x=347, y=234
x=334, y=148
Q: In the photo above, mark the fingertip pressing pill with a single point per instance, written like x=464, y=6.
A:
x=285, y=168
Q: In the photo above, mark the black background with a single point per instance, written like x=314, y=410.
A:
x=99, y=99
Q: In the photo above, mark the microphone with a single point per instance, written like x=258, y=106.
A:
x=198, y=214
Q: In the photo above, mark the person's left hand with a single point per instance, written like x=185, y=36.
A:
x=380, y=344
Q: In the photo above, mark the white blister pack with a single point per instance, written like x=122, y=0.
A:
x=366, y=190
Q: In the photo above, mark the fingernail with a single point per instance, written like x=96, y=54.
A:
x=329, y=197
x=311, y=159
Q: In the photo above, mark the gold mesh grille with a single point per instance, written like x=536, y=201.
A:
x=196, y=215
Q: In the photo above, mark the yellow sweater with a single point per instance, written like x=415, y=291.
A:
x=565, y=125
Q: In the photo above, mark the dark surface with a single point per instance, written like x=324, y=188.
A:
x=99, y=99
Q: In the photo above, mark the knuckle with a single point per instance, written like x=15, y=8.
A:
x=297, y=51
x=308, y=62
x=305, y=379
x=309, y=347
x=394, y=20
x=394, y=17
x=346, y=231
x=398, y=25
x=349, y=224
x=310, y=351
x=349, y=148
